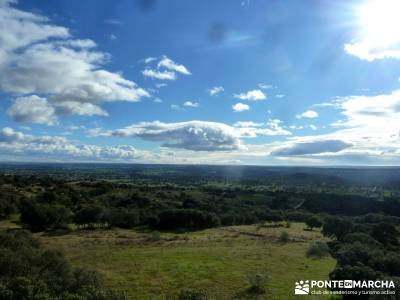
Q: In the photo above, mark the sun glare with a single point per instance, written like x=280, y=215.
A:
x=380, y=22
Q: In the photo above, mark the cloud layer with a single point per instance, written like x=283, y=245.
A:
x=17, y=144
x=42, y=59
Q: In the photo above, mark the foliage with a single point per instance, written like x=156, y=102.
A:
x=284, y=236
x=257, y=283
x=317, y=249
x=192, y=294
x=29, y=272
x=313, y=222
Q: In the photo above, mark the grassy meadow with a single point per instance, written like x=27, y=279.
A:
x=150, y=265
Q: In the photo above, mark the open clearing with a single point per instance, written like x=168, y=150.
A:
x=152, y=266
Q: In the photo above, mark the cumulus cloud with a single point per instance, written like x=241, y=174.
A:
x=18, y=144
x=33, y=109
x=215, y=90
x=169, y=64
x=247, y=124
x=161, y=75
x=310, y=114
x=191, y=104
x=254, y=95
x=313, y=147
x=80, y=109
x=190, y=135
x=238, y=107
x=273, y=127
x=35, y=55
x=368, y=124
x=165, y=69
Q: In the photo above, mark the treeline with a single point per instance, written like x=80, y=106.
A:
x=46, y=203
x=366, y=248
x=29, y=272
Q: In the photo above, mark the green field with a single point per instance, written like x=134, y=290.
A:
x=219, y=260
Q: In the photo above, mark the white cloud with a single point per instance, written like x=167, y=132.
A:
x=313, y=127
x=158, y=100
x=313, y=147
x=29, y=147
x=366, y=51
x=165, y=69
x=280, y=96
x=112, y=37
x=310, y=114
x=296, y=127
x=169, y=64
x=368, y=124
x=238, y=107
x=379, y=36
x=191, y=135
x=80, y=109
x=215, y=90
x=254, y=95
x=32, y=109
x=247, y=124
x=265, y=86
x=160, y=85
x=191, y=104
x=161, y=75
x=176, y=107
x=35, y=54
x=273, y=127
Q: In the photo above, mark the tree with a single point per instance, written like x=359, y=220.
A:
x=29, y=272
x=39, y=217
x=337, y=227
x=313, y=221
x=386, y=233
x=89, y=215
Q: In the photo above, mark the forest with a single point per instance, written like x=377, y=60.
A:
x=359, y=222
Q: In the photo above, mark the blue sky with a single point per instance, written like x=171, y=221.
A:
x=225, y=82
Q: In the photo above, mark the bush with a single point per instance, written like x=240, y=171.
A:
x=337, y=227
x=354, y=253
x=39, y=217
x=284, y=237
x=193, y=294
x=29, y=272
x=155, y=236
x=257, y=283
x=313, y=222
x=317, y=249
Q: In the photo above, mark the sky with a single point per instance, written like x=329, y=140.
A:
x=272, y=82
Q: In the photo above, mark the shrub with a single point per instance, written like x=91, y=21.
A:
x=193, y=294
x=317, y=249
x=284, y=236
x=30, y=272
x=155, y=236
x=257, y=283
x=313, y=221
x=354, y=253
